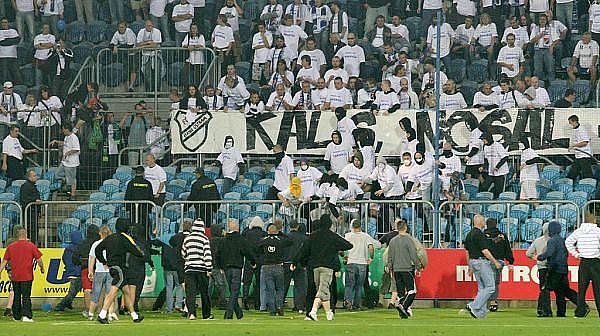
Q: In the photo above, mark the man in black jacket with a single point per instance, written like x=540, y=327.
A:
x=30, y=194
x=139, y=189
x=117, y=246
x=254, y=233
x=136, y=265
x=320, y=252
x=272, y=248
x=298, y=238
x=501, y=250
x=204, y=189
x=233, y=251
x=177, y=242
x=81, y=257
x=168, y=260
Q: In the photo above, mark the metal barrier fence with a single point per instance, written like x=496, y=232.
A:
x=11, y=213
x=592, y=206
x=60, y=218
x=519, y=221
x=153, y=71
x=86, y=74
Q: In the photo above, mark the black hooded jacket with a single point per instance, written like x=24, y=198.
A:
x=499, y=245
x=322, y=247
x=82, y=251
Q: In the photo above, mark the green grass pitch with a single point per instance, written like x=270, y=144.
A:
x=507, y=322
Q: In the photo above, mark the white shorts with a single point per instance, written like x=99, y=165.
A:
x=528, y=190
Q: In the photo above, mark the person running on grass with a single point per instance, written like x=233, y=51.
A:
x=116, y=246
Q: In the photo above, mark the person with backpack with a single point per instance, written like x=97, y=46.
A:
x=501, y=250
x=403, y=262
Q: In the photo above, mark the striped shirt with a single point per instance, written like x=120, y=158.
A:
x=584, y=242
x=196, y=251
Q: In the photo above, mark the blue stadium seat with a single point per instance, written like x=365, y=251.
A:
x=551, y=173
x=543, y=187
x=106, y=212
x=563, y=184
x=544, y=212
x=29, y=74
x=497, y=211
x=263, y=186
x=82, y=51
x=96, y=30
x=98, y=196
x=172, y=212
x=43, y=187
x=123, y=174
x=244, y=70
x=243, y=187
x=252, y=176
x=184, y=196
x=255, y=196
x=252, y=10
x=588, y=185
x=582, y=90
x=508, y=196
x=170, y=171
x=264, y=211
x=556, y=91
x=118, y=196
x=110, y=186
x=11, y=212
x=232, y=196
x=531, y=229
x=578, y=197
x=175, y=74
x=555, y=196
x=510, y=227
x=520, y=211
x=212, y=172
x=457, y=70
x=187, y=176
x=75, y=32
x=477, y=72
x=113, y=75
x=82, y=212
x=240, y=211
x=2, y=185
x=5, y=225
x=25, y=53
x=568, y=212
x=66, y=227
x=176, y=187
x=15, y=188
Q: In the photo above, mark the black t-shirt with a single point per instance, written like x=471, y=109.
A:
x=475, y=243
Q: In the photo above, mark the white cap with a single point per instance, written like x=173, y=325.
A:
x=8, y=85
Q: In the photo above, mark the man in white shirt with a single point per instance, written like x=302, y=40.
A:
x=24, y=18
x=317, y=56
x=157, y=176
x=335, y=72
x=399, y=34
x=594, y=17
x=429, y=75
x=160, y=18
x=452, y=100
x=308, y=73
x=271, y=15
x=585, y=59
x=511, y=59
x=339, y=96
x=528, y=171
x=486, y=99
x=353, y=56
x=149, y=38
x=182, y=16
x=279, y=52
x=320, y=15
x=520, y=32
x=292, y=34
x=43, y=44
x=321, y=92
x=508, y=97
x=345, y=126
x=125, y=38
x=12, y=155
x=580, y=145
x=280, y=100
x=337, y=154
x=299, y=12
x=428, y=9
x=538, y=7
x=541, y=99
x=232, y=12
x=407, y=98
x=223, y=39
x=496, y=156
x=261, y=44
x=284, y=171
x=463, y=41
x=305, y=99
x=67, y=171
x=339, y=22
x=486, y=36
x=543, y=42
x=447, y=36
x=10, y=104
x=230, y=160
x=9, y=39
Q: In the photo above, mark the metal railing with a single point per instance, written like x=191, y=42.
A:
x=592, y=206
x=464, y=211
x=140, y=150
x=41, y=133
x=151, y=72
x=59, y=218
x=86, y=74
x=10, y=215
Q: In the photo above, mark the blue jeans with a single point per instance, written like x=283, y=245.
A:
x=274, y=286
x=29, y=20
x=102, y=281
x=117, y=10
x=227, y=185
x=172, y=283
x=162, y=23
x=486, y=284
x=234, y=279
x=74, y=288
x=426, y=19
x=543, y=64
x=355, y=279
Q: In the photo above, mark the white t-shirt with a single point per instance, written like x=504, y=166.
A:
x=71, y=143
x=421, y=174
x=339, y=98
x=12, y=147
x=12, y=101
x=378, y=38
x=8, y=51
x=99, y=267
x=385, y=101
x=196, y=56
x=388, y=179
x=183, y=26
x=594, y=14
x=261, y=55
x=308, y=100
x=222, y=36
x=308, y=181
x=485, y=33
x=317, y=57
x=157, y=7
x=452, y=102
x=311, y=73
x=538, y=6
x=354, y=175
x=432, y=4
x=521, y=35
x=145, y=36
x=230, y=158
x=485, y=100
x=197, y=3
x=232, y=17
x=282, y=173
x=353, y=57
x=546, y=40
x=465, y=7
x=580, y=134
x=113, y=149
x=128, y=38
x=345, y=127
x=494, y=153
x=400, y=29
x=476, y=142
x=447, y=35
x=277, y=78
x=430, y=77
x=338, y=156
x=292, y=35
x=42, y=54
x=276, y=102
x=321, y=94
x=155, y=175
x=47, y=105
x=541, y=97
x=557, y=28
x=464, y=35
x=334, y=26
x=299, y=13
x=284, y=54
x=343, y=74
x=513, y=56
x=530, y=172
x=24, y=5
x=585, y=53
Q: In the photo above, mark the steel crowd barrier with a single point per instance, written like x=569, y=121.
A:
x=592, y=206
x=60, y=218
x=519, y=223
x=10, y=215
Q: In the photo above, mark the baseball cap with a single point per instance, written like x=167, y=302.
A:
x=8, y=85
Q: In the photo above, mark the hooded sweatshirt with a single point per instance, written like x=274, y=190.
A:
x=82, y=251
x=337, y=154
x=230, y=158
x=354, y=174
x=196, y=250
x=254, y=233
x=322, y=247
x=388, y=179
x=556, y=251
x=499, y=245
x=584, y=242
x=117, y=246
x=72, y=270
x=539, y=246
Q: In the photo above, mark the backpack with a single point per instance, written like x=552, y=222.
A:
x=421, y=254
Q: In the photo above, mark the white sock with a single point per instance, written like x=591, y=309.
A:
x=102, y=314
x=134, y=315
x=91, y=313
x=313, y=311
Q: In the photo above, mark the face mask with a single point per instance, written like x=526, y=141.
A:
x=419, y=162
x=304, y=167
x=407, y=162
x=381, y=166
x=448, y=153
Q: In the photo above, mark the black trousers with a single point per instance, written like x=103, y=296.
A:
x=559, y=284
x=299, y=276
x=497, y=181
x=543, y=307
x=582, y=168
x=589, y=270
x=197, y=282
x=139, y=285
x=405, y=285
x=371, y=297
x=22, y=303
x=248, y=274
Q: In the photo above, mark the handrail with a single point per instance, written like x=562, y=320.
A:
x=20, y=219
x=35, y=146
x=508, y=202
x=78, y=79
x=141, y=149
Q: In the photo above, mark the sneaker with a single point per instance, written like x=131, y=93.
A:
x=494, y=307
x=585, y=314
x=308, y=319
x=468, y=308
x=139, y=319
x=401, y=311
x=347, y=305
x=102, y=320
x=329, y=315
x=113, y=317
x=91, y=317
x=409, y=312
x=192, y=317
x=26, y=319
x=85, y=314
x=313, y=316
x=211, y=317
x=241, y=316
x=301, y=311
x=8, y=312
